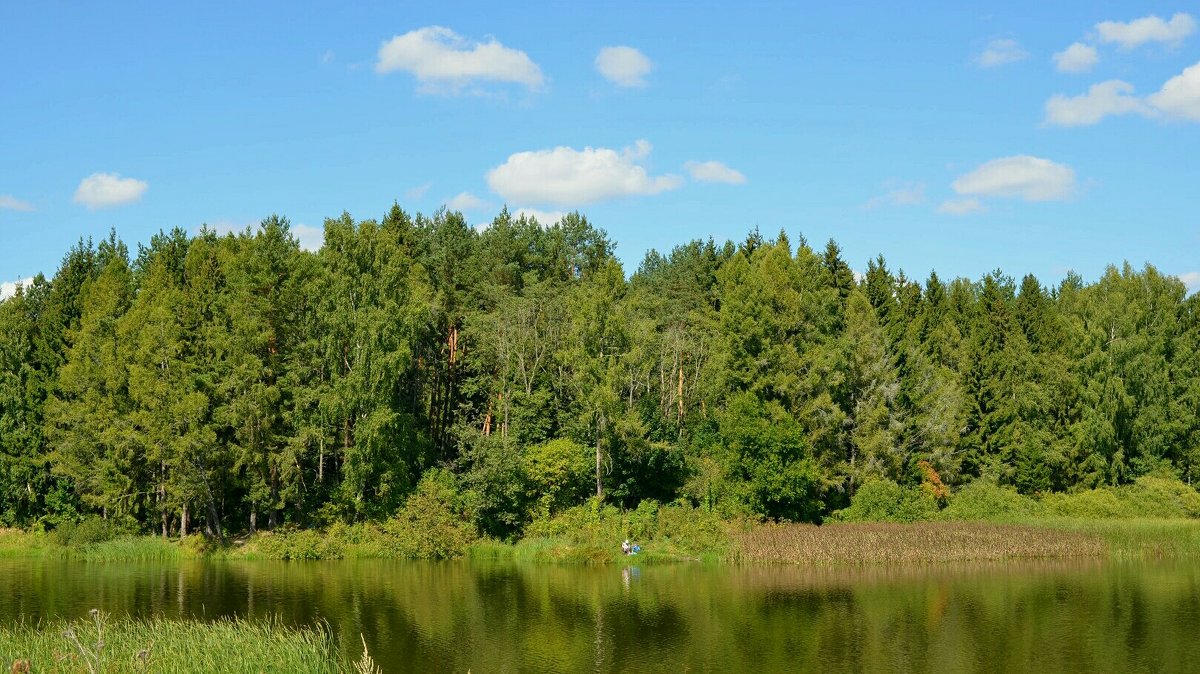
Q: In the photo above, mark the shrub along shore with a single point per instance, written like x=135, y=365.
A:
x=1152, y=517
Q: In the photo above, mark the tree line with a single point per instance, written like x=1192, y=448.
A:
x=238, y=382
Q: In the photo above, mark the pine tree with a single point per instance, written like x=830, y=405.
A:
x=87, y=416
x=874, y=419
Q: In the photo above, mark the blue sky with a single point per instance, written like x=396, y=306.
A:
x=1030, y=137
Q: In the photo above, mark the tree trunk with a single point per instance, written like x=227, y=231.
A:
x=273, y=516
x=680, y=395
x=213, y=523
x=599, y=436
x=183, y=522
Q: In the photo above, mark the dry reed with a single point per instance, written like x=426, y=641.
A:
x=925, y=542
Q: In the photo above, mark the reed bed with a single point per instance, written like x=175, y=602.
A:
x=925, y=542
x=97, y=644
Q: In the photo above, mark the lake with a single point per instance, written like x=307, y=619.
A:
x=503, y=617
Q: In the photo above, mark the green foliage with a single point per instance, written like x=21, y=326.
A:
x=88, y=531
x=297, y=544
x=765, y=456
x=558, y=473
x=593, y=532
x=496, y=487
x=1163, y=497
x=433, y=524
x=238, y=383
x=1147, y=497
x=882, y=500
x=983, y=500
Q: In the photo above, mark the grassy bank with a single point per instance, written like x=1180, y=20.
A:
x=97, y=644
x=15, y=543
x=884, y=523
x=682, y=538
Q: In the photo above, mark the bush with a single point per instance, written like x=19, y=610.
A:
x=196, y=545
x=692, y=531
x=1162, y=497
x=558, y=472
x=1101, y=503
x=983, y=500
x=594, y=531
x=88, y=531
x=883, y=500
x=1149, y=496
x=434, y=522
x=585, y=523
x=296, y=544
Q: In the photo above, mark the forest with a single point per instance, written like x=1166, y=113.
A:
x=233, y=383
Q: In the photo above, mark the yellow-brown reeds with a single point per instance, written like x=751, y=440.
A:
x=924, y=542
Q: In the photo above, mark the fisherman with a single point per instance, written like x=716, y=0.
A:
x=626, y=547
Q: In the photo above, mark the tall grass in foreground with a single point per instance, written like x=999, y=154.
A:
x=926, y=542
x=95, y=644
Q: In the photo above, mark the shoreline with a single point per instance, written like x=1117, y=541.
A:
x=828, y=545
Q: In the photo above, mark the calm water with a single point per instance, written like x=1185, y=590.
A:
x=443, y=617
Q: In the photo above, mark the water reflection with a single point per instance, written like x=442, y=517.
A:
x=443, y=617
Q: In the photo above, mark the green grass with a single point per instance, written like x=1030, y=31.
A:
x=96, y=644
x=1135, y=538
x=129, y=549
x=15, y=543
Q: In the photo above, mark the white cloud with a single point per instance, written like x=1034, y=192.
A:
x=415, y=193
x=443, y=61
x=1001, y=52
x=898, y=194
x=12, y=203
x=623, y=66
x=9, y=288
x=310, y=238
x=714, y=172
x=1078, y=58
x=465, y=201
x=327, y=57
x=1191, y=279
x=1147, y=29
x=102, y=190
x=565, y=176
x=1179, y=97
x=1105, y=99
x=1022, y=176
x=963, y=206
